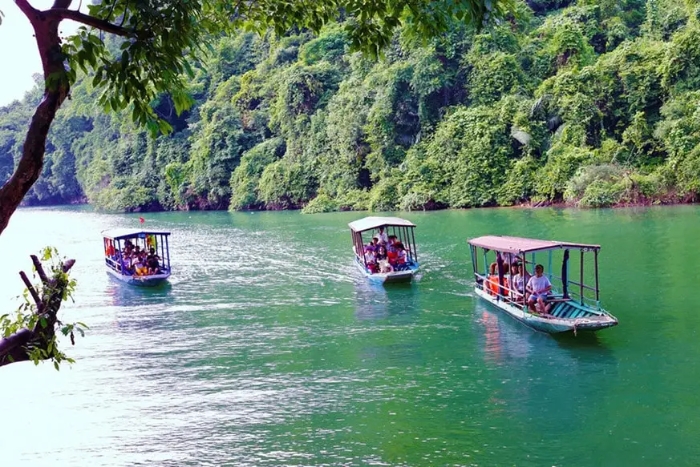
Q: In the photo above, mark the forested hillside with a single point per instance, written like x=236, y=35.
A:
x=594, y=102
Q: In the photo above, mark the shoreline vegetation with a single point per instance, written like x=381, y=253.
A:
x=585, y=103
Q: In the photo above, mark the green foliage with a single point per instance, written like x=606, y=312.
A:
x=246, y=177
x=468, y=157
x=679, y=133
x=519, y=185
x=384, y=195
x=493, y=76
x=601, y=194
x=321, y=203
x=354, y=200
x=512, y=113
x=562, y=162
x=586, y=177
x=285, y=185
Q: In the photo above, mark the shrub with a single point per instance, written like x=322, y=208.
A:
x=321, y=203
x=354, y=200
x=383, y=196
x=602, y=194
x=586, y=176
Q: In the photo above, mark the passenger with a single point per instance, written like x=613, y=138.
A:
x=538, y=286
x=381, y=253
x=510, y=258
x=492, y=285
x=139, y=264
x=370, y=259
x=383, y=260
x=152, y=261
x=401, y=256
x=382, y=237
x=391, y=251
x=520, y=279
x=491, y=282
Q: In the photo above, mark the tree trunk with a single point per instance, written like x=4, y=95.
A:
x=18, y=346
x=57, y=86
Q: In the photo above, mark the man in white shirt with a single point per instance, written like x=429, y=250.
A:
x=381, y=235
x=538, y=286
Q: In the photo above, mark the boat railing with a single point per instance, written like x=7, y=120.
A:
x=113, y=264
x=574, y=290
x=584, y=300
x=515, y=297
x=511, y=295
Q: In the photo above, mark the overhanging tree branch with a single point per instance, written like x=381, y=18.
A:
x=106, y=26
x=26, y=8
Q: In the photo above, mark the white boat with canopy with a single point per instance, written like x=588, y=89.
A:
x=119, y=245
x=399, y=241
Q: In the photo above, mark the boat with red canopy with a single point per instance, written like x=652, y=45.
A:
x=572, y=304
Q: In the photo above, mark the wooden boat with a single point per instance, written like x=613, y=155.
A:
x=403, y=230
x=576, y=305
x=117, y=242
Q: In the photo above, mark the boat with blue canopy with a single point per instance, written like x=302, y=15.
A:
x=137, y=257
x=502, y=267
x=392, y=235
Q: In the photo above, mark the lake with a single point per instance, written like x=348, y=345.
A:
x=268, y=348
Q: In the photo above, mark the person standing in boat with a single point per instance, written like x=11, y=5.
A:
x=538, y=286
x=382, y=236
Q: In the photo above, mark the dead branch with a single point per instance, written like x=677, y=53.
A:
x=16, y=347
x=32, y=291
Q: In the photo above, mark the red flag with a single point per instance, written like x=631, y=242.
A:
x=142, y=220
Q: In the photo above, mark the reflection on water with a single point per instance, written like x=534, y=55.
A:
x=376, y=301
x=124, y=295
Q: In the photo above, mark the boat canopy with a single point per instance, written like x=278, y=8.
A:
x=525, y=245
x=120, y=234
x=369, y=223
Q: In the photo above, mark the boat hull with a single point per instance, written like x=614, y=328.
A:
x=389, y=277
x=140, y=281
x=590, y=319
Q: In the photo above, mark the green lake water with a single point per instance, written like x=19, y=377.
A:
x=269, y=349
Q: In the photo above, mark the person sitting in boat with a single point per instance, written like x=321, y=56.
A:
x=152, y=262
x=391, y=245
x=383, y=260
x=401, y=257
x=520, y=279
x=491, y=285
x=538, y=286
x=139, y=264
x=370, y=259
